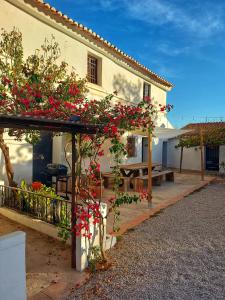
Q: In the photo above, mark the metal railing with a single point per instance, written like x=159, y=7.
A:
x=42, y=207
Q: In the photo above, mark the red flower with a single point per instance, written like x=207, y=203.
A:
x=73, y=90
x=114, y=130
x=26, y=102
x=36, y=185
x=94, y=194
x=106, y=129
x=5, y=80
x=101, y=153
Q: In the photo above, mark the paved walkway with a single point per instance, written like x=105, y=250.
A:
x=132, y=214
x=179, y=254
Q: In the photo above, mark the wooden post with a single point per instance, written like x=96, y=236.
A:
x=73, y=205
x=181, y=157
x=149, y=169
x=201, y=153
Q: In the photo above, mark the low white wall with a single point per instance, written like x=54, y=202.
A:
x=82, y=244
x=35, y=224
x=191, y=156
x=222, y=159
x=12, y=266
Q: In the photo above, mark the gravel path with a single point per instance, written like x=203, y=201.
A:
x=179, y=254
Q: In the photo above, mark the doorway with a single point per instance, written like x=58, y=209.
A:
x=212, y=158
x=164, y=154
x=144, y=149
x=42, y=155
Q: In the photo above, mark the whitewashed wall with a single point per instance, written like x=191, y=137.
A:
x=222, y=158
x=191, y=157
x=12, y=266
x=21, y=157
x=116, y=75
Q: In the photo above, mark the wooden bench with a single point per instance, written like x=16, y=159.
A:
x=157, y=178
x=108, y=175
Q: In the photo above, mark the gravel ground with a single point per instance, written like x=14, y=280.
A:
x=179, y=254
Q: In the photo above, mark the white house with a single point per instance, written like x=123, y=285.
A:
x=83, y=49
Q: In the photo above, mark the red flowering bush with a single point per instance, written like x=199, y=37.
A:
x=84, y=214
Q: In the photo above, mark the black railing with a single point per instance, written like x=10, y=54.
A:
x=43, y=207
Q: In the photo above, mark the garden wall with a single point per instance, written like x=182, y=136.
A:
x=191, y=157
x=82, y=244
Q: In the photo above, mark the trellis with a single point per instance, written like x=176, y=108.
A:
x=202, y=134
x=72, y=127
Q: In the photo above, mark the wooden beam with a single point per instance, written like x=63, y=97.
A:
x=73, y=205
x=149, y=169
x=201, y=153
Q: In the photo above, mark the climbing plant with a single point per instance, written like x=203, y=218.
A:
x=42, y=85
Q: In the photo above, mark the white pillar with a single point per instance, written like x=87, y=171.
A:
x=222, y=159
x=12, y=266
x=83, y=244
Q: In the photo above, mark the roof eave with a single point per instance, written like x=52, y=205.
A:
x=75, y=26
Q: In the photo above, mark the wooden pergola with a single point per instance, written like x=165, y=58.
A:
x=51, y=125
x=203, y=134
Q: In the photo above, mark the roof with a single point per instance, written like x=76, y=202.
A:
x=206, y=127
x=88, y=33
x=37, y=123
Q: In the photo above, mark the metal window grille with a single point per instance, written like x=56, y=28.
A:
x=92, y=69
x=131, y=146
x=146, y=90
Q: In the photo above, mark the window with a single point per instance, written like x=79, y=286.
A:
x=131, y=146
x=92, y=69
x=146, y=90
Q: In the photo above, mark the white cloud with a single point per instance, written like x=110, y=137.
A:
x=171, y=50
x=202, y=20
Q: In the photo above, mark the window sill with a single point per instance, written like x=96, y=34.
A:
x=96, y=87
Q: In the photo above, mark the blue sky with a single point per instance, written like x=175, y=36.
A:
x=183, y=41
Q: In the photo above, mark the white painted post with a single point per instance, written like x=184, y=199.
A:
x=12, y=266
x=222, y=160
x=83, y=244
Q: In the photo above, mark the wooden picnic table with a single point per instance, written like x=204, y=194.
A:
x=137, y=168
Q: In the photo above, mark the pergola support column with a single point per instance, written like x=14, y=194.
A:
x=73, y=204
x=201, y=152
x=149, y=169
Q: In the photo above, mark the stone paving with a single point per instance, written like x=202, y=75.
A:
x=183, y=183
x=178, y=254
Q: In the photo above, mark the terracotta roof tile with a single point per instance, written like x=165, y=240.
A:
x=206, y=127
x=209, y=125
x=54, y=13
